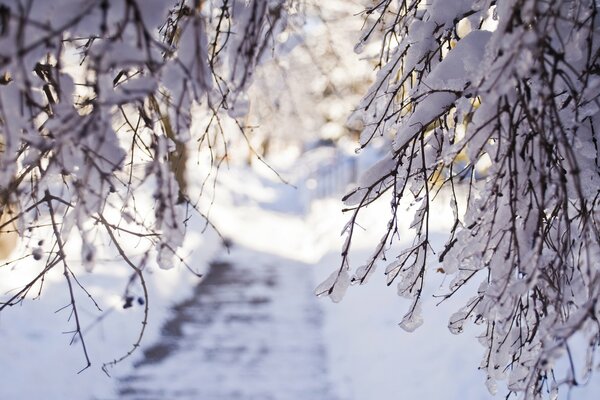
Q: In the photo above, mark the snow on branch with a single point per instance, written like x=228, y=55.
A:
x=100, y=104
x=508, y=90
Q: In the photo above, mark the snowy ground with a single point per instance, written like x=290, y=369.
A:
x=253, y=328
x=249, y=332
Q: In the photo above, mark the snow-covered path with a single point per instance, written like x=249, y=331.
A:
x=251, y=331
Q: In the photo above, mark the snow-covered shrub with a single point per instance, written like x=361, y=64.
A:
x=514, y=85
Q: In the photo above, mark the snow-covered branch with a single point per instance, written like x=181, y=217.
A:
x=507, y=90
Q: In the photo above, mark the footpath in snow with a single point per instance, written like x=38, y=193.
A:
x=250, y=331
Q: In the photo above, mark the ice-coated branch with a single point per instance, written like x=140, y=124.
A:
x=493, y=105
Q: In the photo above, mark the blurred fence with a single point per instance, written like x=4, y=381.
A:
x=327, y=172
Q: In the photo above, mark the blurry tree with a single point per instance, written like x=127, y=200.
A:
x=511, y=89
x=314, y=80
